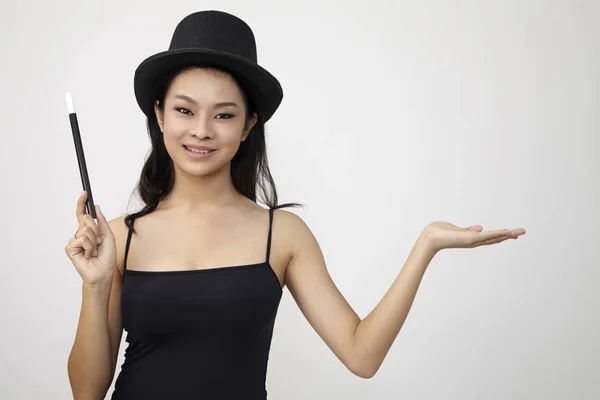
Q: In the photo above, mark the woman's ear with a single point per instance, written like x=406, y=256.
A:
x=159, y=115
x=249, y=125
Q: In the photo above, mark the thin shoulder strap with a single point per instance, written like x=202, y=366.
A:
x=127, y=245
x=270, y=230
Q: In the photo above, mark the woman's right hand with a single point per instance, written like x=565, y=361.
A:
x=93, y=250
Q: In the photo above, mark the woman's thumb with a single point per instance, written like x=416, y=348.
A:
x=476, y=228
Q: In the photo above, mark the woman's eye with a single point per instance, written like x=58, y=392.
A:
x=225, y=116
x=185, y=110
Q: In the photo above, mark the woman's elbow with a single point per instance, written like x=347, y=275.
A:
x=362, y=369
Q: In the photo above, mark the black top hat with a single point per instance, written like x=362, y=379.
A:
x=213, y=39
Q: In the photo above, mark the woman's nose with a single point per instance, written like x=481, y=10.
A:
x=203, y=127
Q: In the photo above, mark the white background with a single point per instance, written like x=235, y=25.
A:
x=396, y=114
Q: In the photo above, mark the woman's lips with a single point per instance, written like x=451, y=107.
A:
x=198, y=155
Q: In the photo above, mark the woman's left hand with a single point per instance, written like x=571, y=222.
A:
x=444, y=235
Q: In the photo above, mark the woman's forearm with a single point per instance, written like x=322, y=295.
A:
x=89, y=366
x=375, y=334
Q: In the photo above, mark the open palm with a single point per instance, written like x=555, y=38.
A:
x=444, y=235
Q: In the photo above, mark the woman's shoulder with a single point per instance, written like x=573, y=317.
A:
x=289, y=226
x=288, y=218
x=286, y=225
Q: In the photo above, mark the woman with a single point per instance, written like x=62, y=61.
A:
x=196, y=283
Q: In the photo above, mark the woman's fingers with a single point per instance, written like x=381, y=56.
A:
x=88, y=228
x=88, y=222
x=492, y=241
x=89, y=241
x=498, y=236
x=81, y=207
x=83, y=241
x=103, y=226
x=473, y=239
x=90, y=232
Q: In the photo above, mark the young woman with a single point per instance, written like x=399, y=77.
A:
x=195, y=277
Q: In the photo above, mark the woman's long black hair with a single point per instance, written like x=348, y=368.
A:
x=249, y=167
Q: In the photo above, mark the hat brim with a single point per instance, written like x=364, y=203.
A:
x=264, y=89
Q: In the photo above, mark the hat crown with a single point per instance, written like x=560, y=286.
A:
x=216, y=31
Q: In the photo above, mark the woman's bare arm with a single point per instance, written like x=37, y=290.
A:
x=361, y=345
x=92, y=361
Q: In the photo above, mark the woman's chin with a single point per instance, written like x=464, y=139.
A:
x=196, y=170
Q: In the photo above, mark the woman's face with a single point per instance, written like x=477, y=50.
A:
x=203, y=108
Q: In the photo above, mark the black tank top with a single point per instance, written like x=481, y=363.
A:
x=198, y=334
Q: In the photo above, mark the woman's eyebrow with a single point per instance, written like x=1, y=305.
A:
x=222, y=104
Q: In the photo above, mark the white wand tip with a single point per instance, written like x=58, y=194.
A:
x=70, y=105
